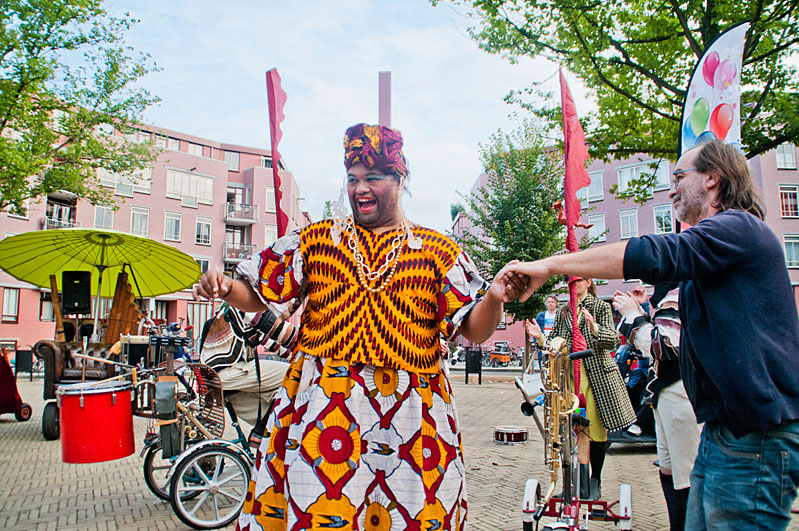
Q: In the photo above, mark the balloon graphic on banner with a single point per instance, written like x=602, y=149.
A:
x=724, y=76
x=709, y=67
x=688, y=136
x=721, y=120
x=699, y=116
x=705, y=137
x=712, y=105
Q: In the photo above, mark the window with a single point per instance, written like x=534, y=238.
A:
x=21, y=213
x=124, y=186
x=103, y=217
x=597, y=232
x=232, y=159
x=663, y=219
x=190, y=188
x=140, y=221
x=592, y=192
x=791, y=250
x=10, y=305
x=173, y=144
x=195, y=149
x=142, y=179
x=789, y=200
x=270, y=232
x=270, y=199
x=266, y=162
x=203, y=231
x=46, y=307
x=662, y=177
x=161, y=310
x=786, y=156
x=204, y=263
x=106, y=177
x=105, y=129
x=629, y=223
x=172, y=226
x=160, y=141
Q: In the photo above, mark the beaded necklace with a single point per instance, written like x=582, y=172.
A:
x=365, y=274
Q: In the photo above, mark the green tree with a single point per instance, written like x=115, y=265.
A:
x=512, y=214
x=454, y=208
x=636, y=57
x=65, y=72
x=327, y=210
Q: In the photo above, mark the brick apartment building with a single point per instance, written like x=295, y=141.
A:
x=775, y=174
x=211, y=200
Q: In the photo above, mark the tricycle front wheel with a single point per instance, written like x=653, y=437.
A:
x=50, y=428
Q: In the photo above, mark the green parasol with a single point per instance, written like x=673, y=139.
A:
x=153, y=268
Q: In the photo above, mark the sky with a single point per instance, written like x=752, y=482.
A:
x=447, y=94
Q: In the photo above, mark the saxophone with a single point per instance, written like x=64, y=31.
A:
x=559, y=404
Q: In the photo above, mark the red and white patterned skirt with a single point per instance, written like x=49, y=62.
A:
x=353, y=446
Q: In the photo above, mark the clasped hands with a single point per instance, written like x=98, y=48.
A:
x=519, y=280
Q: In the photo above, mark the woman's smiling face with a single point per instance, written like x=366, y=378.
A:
x=374, y=197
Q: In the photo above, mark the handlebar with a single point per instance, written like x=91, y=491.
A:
x=582, y=354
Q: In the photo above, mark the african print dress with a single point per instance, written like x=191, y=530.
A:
x=363, y=434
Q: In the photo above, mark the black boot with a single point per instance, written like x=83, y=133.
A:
x=676, y=502
x=585, y=484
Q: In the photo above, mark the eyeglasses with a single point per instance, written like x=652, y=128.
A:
x=678, y=175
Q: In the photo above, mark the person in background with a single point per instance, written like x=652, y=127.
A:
x=545, y=321
x=607, y=404
x=363, y=431
x=676, y=429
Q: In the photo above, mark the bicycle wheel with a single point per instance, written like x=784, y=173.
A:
x=156, y=472
x=219, y=477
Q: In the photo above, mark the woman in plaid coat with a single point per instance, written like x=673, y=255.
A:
x=607, y=404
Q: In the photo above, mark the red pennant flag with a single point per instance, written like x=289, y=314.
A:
x=276, y=99
x=576, y=178
x=576, y=155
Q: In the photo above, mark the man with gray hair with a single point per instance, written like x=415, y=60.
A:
x=739, y=350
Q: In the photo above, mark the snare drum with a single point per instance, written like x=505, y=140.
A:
x=510, y=435
x=96, y=422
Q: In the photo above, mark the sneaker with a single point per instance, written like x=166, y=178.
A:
x=635, y=430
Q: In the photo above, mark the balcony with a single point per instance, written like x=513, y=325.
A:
x=235, y=253
x=240, y=214
x=49, y=223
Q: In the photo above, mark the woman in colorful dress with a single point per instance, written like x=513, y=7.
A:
x=363, y=433
x=607, y=404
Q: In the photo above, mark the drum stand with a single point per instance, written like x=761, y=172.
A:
x=557, y=430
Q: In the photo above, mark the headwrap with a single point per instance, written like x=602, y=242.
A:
x=375, y=146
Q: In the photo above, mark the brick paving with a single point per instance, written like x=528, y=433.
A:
x=38, y=491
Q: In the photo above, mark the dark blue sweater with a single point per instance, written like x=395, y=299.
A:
x=739, y=349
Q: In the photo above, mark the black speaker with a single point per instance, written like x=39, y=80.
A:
x=76, y=292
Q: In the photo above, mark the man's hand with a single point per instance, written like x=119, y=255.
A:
x=213, y=284
x=626, y=303
x=528, y=276
x=506, y=286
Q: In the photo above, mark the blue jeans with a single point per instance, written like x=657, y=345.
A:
x=744, y=483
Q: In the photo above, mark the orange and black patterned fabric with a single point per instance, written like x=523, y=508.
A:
x=432, y=290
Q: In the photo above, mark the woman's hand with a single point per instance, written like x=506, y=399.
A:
x=626, y=303
x=640, y=295
x=590, y=320
x=533, y=330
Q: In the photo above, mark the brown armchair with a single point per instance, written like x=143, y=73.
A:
x=62, y=368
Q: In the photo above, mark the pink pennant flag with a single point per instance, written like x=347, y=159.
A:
x=276, y=99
